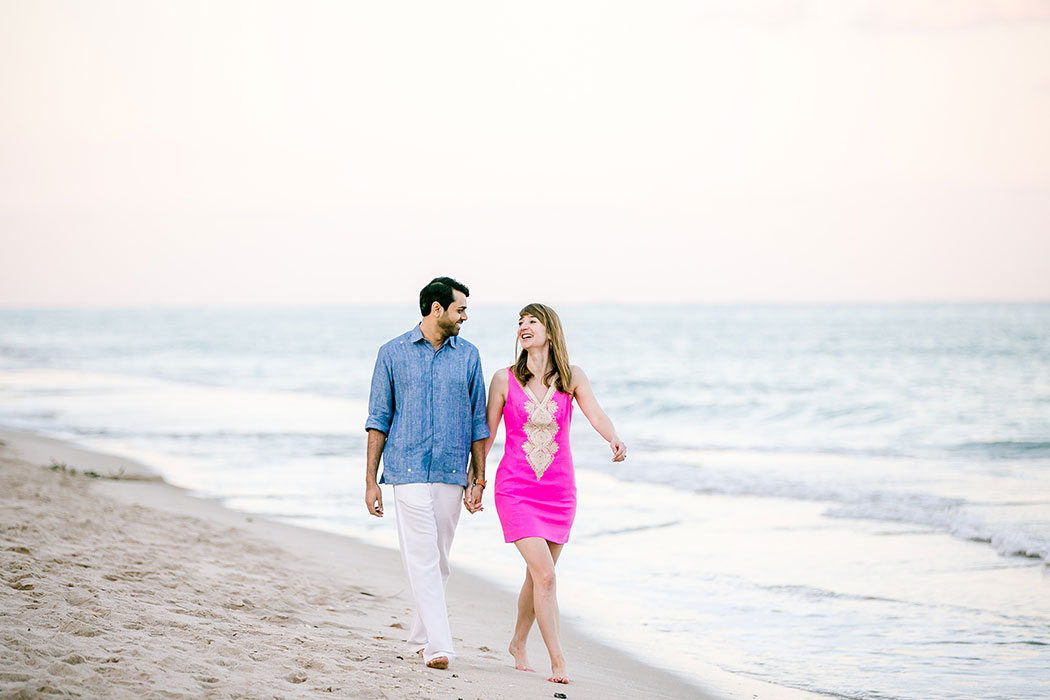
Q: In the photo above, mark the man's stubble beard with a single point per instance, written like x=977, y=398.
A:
x=448, y=328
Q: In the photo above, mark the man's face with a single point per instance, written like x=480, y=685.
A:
x=453, y=317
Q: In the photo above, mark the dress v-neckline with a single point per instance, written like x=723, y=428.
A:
x=531, y=394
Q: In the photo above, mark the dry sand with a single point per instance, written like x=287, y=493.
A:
x=130, y=588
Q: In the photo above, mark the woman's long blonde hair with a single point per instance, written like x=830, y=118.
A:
x=558, y=368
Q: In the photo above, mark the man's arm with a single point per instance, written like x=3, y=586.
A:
x=480, y=431
x=475, y=474
x=380, y=411
x=373, y=494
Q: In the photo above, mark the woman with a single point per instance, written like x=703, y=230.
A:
x=535, y=484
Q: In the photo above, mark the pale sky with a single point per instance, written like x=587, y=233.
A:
x=333, y=152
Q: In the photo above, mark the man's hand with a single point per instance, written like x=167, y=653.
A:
x=374, y=500
x=472, y=498
x=373, y=496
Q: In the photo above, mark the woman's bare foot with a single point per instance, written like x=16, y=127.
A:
x=558, y=673
x=521, y=658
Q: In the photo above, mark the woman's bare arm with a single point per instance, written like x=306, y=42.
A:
x=585, y=399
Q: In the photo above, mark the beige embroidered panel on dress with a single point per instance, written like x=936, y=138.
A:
x=540, y=429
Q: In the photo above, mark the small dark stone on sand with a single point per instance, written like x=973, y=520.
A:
x=561, y=695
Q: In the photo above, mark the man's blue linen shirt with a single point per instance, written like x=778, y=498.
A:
x=431, y=406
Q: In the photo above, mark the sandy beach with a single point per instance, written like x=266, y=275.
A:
x=118, y=585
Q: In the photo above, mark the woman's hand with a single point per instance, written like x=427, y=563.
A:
x=472, y=498
x=619, y=450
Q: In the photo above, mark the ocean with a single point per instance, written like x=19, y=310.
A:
x=852, y=500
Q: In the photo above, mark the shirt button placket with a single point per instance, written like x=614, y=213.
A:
x=433, y=412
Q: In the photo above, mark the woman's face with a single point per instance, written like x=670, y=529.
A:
x=531, y=333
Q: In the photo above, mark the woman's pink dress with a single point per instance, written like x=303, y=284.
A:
x=535, y=481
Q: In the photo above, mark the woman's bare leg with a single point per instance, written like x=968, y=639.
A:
x=526, y=616
x=540, y=557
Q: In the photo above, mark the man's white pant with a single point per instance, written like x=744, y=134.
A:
x=427, y=515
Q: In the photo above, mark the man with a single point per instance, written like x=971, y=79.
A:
x=426, y=416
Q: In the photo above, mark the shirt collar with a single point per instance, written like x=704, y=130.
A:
x=416, y=335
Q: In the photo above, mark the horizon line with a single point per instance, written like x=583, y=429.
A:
x=390, y=303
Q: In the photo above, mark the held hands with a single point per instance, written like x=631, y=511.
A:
x=619, y=450
x=472, y=498
x=374, y=500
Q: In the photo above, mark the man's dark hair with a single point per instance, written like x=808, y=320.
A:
x=440, y=290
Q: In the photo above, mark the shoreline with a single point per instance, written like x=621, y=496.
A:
x=352, y=602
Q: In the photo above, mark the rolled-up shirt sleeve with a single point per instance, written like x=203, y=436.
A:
x=477, y=399
x=381, y=396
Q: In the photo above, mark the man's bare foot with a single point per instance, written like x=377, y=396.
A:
x=521, y=658
x=439, y=662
